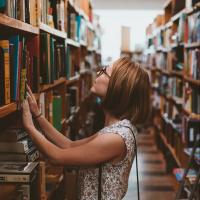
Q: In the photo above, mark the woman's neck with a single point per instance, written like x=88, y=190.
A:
x=109, y=119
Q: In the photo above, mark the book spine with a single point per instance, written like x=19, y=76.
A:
x=5, y=45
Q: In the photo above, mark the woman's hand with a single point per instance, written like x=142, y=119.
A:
x=26, y=116
x=32, y=102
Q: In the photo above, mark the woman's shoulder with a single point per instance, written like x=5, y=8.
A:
x=123, y=126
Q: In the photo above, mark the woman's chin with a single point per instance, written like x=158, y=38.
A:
x=93, y=91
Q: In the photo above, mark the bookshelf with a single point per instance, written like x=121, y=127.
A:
x=61, y=49
x=172, y=61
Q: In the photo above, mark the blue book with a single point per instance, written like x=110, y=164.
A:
x=2, y=4
x=15, y=41
x=78, y=21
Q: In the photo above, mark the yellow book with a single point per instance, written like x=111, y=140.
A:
x=4, y=44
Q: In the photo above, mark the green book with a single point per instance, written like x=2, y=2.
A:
x=57, y=112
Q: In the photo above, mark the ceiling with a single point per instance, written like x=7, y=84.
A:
x=129, y=4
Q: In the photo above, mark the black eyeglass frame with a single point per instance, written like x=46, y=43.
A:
x=103, y=71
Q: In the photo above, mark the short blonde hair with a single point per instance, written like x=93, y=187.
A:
x=128, y=94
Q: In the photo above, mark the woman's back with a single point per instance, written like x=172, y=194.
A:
x=114, y=182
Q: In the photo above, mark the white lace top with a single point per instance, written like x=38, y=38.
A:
x=114, y=182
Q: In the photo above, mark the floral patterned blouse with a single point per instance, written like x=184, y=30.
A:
x=114, y=182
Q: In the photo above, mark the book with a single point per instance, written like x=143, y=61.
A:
x=15, y=41
x=11, y=172
x=4, y=44
x=2, y=4
x=194, y=28
x=57, y=112
x=178, y=172
x=2, y=87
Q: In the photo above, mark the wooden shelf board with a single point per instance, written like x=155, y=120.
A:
x=194, y=9
x=178, y=15
x=48, y=29
x=7, y=109
x=192, y=45
x=177, y=73
x=91, y=49
x=191, y=115
x=192, y=81
x=72, y=80
x=90, y=25
x=18, y=25
x=72, y=42
x=168, y=24
x=83, y=43
x=188, y=153
x=165, y=72
x=175, y=45
x=98, y=51
x=167, y=3
x=51, y=86
x=171, y=149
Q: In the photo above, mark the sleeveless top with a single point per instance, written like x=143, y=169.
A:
x=114, y=182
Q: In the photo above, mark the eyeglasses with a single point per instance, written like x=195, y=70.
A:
x=103, y=71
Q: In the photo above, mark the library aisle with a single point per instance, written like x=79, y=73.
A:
x=155, y=183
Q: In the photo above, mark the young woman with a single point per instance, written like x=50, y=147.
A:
x=124, y=88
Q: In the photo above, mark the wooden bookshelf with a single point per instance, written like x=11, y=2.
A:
x=52, y=31
x=74, y=53
x=190, y=114
x=7, y=109
x=193, y=45
x=56, y=83
x=177, y=73
x=72, y=42
x=178, y=15
x=18, y=25
x=192, y=81
x=173, y=123
x=83, y=43
x=170, y=148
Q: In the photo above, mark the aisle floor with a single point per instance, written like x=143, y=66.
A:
x=155, y=183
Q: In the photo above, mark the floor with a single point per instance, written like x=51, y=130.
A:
x=155, y=184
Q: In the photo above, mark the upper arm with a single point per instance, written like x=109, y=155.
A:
x=83, y=141
x=102, y=148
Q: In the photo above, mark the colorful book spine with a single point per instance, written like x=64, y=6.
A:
x=57, y=112
x=5, y=46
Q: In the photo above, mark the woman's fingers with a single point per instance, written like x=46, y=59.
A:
x=30, y=99
x=30, y=93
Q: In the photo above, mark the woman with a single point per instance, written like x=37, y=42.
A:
x=124, y=88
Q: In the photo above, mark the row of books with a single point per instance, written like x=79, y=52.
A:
x=183, y=94
x=23, y=10
x=192, y=63
x=53, y=64
x=51, y=108
x=72, y=65
x=187, y=128
x=77, y=27
x=51, y=105
x=194, y=27
x=54, y=13
x=186, y=31
x=189, y=28
x=191, y=99
x=18, y=61
x=19, y=180
x=16, y=145
x=191, y=175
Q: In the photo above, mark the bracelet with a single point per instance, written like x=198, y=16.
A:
x=37, y=116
